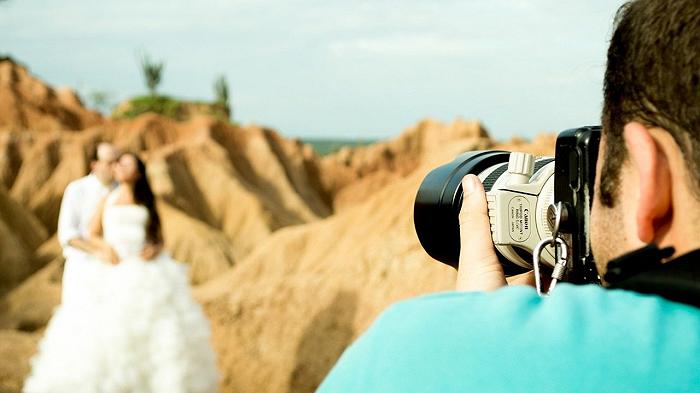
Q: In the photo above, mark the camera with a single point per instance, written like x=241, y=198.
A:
x=528, y=198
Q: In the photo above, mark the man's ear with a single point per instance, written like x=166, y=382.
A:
x=651, y=165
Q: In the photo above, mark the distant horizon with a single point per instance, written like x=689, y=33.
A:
x=359, y=140
x=329, y=69
x=310, y=137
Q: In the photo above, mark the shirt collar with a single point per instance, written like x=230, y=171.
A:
x=677, y=280
x=97, y=183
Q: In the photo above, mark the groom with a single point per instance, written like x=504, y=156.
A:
x=77, y=208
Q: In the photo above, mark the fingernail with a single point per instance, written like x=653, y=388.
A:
x=469, y=184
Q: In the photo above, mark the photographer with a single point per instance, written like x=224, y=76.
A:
x=642, y=332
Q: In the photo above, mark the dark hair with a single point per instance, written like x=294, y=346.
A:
x=143, y=195
x=653, y=77
x=92, y=153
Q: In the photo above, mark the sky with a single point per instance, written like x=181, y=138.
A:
x=333, y=69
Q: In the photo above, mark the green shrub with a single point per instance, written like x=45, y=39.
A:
x=326, y=147
x=162, y=105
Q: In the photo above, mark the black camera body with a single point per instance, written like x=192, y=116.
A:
x=575, y=158
x=520, y=189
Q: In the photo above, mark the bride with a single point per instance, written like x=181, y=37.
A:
x=137, y=329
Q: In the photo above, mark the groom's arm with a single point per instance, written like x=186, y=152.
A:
x=68, y=230
x=83, y=245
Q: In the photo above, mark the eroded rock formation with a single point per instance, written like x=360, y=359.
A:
x=292, y=255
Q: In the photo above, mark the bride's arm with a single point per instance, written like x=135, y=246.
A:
x=152, y=249
x=95, y=228
x=96, y=244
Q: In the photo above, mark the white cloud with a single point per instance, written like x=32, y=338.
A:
x=402, y=45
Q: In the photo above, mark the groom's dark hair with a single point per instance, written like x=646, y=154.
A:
x=92, y=153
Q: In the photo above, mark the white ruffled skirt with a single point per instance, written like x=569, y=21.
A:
x=133, y=327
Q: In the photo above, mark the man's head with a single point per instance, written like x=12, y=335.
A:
x=648, y=175
x=103, y=160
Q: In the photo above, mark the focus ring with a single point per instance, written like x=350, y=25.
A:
x=493, y=176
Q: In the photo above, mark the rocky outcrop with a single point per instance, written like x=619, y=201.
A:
x=49, y=163
x=27, y=103
x=20, y=235
x=350, y=175
x=13, y=345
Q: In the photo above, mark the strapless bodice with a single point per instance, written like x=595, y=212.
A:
x=124, y=228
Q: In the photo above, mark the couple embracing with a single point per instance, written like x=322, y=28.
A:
x=127, y=321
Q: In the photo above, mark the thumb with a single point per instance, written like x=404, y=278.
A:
x=479, y=268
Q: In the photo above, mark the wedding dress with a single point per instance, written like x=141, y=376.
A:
x=135, y=329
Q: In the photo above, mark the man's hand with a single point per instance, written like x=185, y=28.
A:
x=108, y=254
x=150, y=251
x=479, y=269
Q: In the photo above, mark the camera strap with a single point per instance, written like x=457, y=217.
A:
x=647, y=271
x=635, y=262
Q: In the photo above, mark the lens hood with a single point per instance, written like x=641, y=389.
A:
x=439, y=200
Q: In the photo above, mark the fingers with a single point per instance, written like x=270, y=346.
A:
x=479, y=268
x=113, y=256
x=527, y=278
x=149, y=252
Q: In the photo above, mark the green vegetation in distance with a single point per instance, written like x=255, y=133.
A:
x=328, y=146
x=170, y=107
x=162, y=105
x=221, y=93
x=152, y=73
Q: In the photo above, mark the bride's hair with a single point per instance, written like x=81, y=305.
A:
x=143, y=195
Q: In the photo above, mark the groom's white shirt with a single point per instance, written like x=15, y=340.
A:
x=77, y=208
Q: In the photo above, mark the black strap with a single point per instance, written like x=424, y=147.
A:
x=635, y=262
x=643, y=271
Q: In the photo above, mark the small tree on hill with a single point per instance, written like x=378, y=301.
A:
x=100, y=100
x=221, y=92
x=152, y=72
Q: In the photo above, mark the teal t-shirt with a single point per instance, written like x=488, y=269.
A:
x=580, y=339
